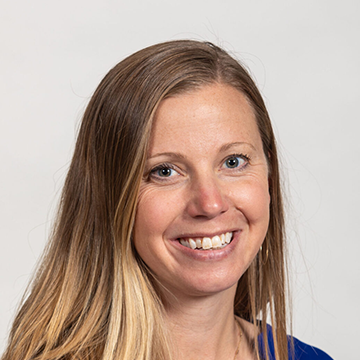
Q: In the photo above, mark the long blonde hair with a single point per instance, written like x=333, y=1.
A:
x=93, y=297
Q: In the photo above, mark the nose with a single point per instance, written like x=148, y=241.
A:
x=207, y=198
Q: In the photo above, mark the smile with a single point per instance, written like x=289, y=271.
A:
x=207, y=243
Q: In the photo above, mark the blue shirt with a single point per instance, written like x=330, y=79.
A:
x=302, y=351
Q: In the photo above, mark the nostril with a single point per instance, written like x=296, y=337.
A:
x=206, y=197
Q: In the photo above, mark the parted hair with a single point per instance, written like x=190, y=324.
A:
x=92, y=297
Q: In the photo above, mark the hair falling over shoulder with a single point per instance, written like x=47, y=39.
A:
x=92, y=297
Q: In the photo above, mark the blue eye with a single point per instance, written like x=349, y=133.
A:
x=164, y=172
x=234, y=162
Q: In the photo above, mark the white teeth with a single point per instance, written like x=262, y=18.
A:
x=222, y=237
x=185, y=243
x=216, y=242
x=206, y=243
x=228, y=237
x=192, y=243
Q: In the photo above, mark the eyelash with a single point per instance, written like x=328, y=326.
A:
x=153, y=171
x=245, y=157
x=160, y=167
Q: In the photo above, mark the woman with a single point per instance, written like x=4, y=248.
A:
x=169, y=242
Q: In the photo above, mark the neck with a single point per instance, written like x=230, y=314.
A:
x=203, y=327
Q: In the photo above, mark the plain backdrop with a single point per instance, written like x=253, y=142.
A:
x=305, y=58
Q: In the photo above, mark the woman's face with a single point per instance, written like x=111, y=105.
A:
x=203, y=208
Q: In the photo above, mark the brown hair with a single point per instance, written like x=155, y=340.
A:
x=93, y=297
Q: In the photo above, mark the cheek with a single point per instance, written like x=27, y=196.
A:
x=258, y=205
x=253, y=203
x=253, y=200
x=154, y=214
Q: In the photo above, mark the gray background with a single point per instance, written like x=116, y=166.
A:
x=305, y=57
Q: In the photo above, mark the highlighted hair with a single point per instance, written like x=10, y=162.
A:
x=92, y=297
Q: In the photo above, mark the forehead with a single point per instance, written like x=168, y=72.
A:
x=214, y=114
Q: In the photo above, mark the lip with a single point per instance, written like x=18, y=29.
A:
x=207, y=255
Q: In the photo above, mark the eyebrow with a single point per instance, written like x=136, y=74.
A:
x=170, y=154
x=229, y=146
x=222, y=149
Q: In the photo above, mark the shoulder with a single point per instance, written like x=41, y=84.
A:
x=301, y=350
x=304, y=351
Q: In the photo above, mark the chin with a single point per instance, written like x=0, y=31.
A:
x=203, y=286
